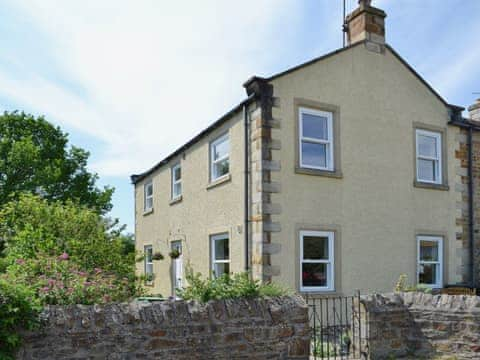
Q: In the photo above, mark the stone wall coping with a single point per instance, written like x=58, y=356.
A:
x=421, y=301
x=174, y=312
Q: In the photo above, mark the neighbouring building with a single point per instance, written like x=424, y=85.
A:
x=335, y=175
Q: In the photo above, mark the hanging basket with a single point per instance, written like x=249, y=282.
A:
x=158, y=256
x=174, y=254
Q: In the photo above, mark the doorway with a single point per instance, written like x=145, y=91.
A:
x=177, y=263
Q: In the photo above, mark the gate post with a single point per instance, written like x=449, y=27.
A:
x=363, y=326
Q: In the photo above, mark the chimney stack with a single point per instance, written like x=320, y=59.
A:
x=366, y=23
x=474, y=111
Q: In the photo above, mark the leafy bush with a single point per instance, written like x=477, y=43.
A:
x=18, y=309
x=33, y=225
x=403, y=286
x=59, y=281
x=227, y=286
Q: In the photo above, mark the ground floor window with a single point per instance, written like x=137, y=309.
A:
x=220, y=254
x=148, y=262
x=316, y=261
x=430, y=261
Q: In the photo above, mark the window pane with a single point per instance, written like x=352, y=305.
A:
x=177, y=173
x=149, y=189
x=148, y=254
x=315, y=126
x=220, y=149
x=427, y=146
x=221, y=268
x=315, y=248
x=221, y=249
x=177, y=245
x=177, y=189
x=314, y=274
x=426, y=170
x=314, y=154
x=149, y=268
x=428, y=274
x=428, y=251
x=221, y=168
x=149, y=203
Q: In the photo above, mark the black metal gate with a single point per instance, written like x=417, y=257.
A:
x=336, y=327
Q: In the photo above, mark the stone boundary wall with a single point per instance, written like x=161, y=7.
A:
x=275, y=328
x=421, y=325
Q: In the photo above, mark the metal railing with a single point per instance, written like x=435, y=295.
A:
x=336, y=327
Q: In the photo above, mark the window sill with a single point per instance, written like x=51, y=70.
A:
x=424, y=185
x=319, y=292
x=149, y=283
x=176, y=200
x=221, y=180
x=148, y=212
x=316, y=172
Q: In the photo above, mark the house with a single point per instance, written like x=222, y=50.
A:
x=338, y=174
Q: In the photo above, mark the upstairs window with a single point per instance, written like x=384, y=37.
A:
x=316, y=261
x=430, y=261
x=220, y=255
x=316, y=139
x=219, y=157
x=176, y=181
x=148, y=196
x=429, y=156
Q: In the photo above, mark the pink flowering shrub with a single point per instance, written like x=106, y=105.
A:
x=59, y=281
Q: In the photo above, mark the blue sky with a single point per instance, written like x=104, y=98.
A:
x=132, y=80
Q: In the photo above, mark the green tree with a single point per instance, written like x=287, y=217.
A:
x=35, y=157
x=128, y=241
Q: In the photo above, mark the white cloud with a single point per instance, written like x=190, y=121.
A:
x=153, y=73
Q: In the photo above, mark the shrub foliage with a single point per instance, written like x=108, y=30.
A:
x=58, y=253
x=33, y=226
x=227, y=286
x=59, y=281
x=18, y=309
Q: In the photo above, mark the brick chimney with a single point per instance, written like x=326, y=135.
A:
x=474, y=111
x=366, y=23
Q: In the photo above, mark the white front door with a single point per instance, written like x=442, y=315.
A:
x=177, y=265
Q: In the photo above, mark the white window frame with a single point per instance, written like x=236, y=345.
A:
x=176, y=182
x=439, y=241
x=147, y=197
x=146, y=262
x=224, y=137
x=437, y=160
x=329, y=148
x=214, y=261
x=330, y=262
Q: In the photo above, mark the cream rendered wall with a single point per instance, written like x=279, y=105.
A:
x=201, y=213
x=374, y=205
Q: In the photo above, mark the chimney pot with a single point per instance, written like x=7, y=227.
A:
x=474, y=111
